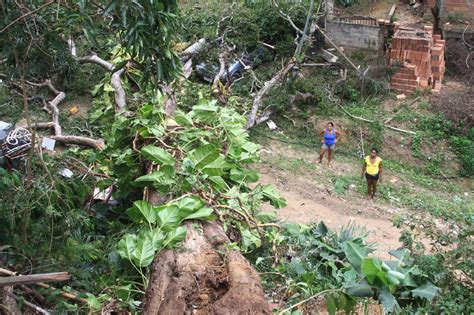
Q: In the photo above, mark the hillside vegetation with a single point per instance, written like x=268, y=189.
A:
x=177, y=205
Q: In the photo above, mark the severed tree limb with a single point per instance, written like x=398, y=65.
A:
x=222, y=68
x=372, y=121
x=56, y=126
x=257, y=102
x=120, y=96
x=193, y=50
x=120, y=103
x=28, y=279
x=72, y=46
x=43, y=285
x=223, y=56
x=98, y=61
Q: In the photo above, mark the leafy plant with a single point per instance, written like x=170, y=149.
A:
x=339, y=266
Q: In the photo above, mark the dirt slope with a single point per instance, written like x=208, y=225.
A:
x=310, y=198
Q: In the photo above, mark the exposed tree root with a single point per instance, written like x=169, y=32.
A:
x=198, y=280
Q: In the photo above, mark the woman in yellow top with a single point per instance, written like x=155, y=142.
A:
x=373, y=171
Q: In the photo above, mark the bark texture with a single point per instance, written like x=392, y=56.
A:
x=198, y=279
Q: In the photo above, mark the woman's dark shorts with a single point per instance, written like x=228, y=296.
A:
x=372, y=177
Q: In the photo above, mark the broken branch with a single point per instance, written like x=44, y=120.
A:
x=43, y=285
x=28, y=279
x=257, y=102
x=98, y=61
x=372, y=121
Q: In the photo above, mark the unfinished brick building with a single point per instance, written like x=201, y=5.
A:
x=420, y=56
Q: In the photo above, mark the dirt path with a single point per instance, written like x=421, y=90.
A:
x=310, y=200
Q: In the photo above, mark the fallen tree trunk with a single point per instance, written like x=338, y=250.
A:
x=198, y=279
x=257, y=102
x=202, y=276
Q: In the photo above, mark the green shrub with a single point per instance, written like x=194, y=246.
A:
x=464, y=147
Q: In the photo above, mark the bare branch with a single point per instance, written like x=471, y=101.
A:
x=25, y=16
x=120, y=103
x=98, y=61
x=257, y=102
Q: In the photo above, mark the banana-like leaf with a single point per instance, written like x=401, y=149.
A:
x=205, y=111
x=355, y=254
x=273, y=196
x=427, y=291
x=390, y=304
x=203, y=155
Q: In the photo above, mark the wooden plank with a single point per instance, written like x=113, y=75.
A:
x=66, y=295
x=329, y=57
x=35, y=278
x=391, y=12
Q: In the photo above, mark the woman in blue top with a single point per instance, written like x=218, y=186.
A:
x=328, y=139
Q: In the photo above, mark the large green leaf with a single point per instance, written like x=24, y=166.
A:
x=158, y=155
x=127, y=246
x=189, y=205
x=218, y=183
x=355, y=254
x=176, y=236
x=249, y=239
x=216, y=167
x=372, y=269
x=203, y=155
x=155, y=235
x=205, y=111
x=183, y=119
x=390, y=304
x=331, y=305
x=244, y=175
x=358, y=289
x=273, y=196
x=203, y=213
x=144, y=252
x=427, y=291
x=142, y=210
x=168, y=217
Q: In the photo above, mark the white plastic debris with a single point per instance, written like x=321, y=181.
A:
x=48, y=143
x=271, y=125
x=102, y=194
x=66, y=172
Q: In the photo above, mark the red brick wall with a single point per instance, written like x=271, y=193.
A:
x=421, y=54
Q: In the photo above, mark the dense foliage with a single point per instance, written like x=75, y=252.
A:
x=198, y=163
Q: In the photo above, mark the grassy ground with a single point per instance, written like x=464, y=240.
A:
x=421, y=170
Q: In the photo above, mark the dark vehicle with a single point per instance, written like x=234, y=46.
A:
x=236, y=68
